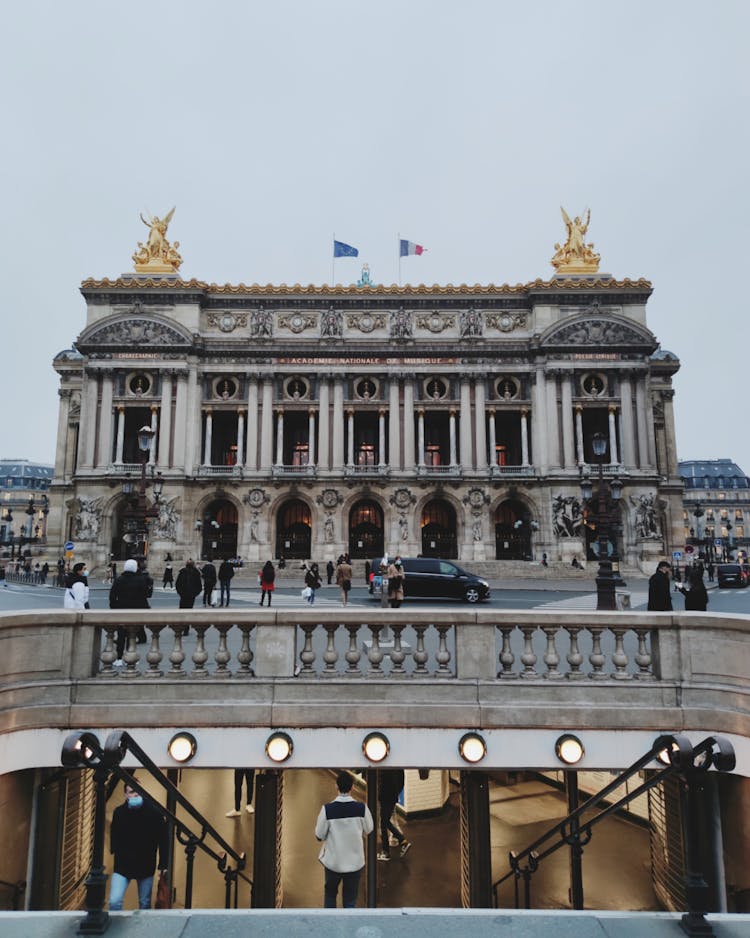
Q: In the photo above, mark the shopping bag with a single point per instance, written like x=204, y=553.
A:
x=306, y=592
x=215, y=595
x=163, y=899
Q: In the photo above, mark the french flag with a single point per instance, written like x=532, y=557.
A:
x=409, y=247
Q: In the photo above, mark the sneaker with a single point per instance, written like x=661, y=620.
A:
x=233, y=813
x=384, y=856
x=250, y=809
x=405, y=848
x=118, y=663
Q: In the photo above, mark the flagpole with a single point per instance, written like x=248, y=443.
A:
x=398, y=236
x=333, y=260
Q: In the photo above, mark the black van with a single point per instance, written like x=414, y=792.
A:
x=432, y=578
x=732, y=574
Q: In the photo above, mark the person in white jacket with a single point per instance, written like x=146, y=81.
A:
x=341, y=826
x=76, y=596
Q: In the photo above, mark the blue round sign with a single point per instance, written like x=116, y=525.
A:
x=69, y=545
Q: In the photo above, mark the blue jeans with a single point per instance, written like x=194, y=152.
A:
x=119, y=884
x=349, y=890
x=311, y=600
x=224, y=584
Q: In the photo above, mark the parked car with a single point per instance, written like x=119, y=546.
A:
x=433, y=578
x=733, y=574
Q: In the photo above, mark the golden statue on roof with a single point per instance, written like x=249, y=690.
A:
x=157, y=255
x=575, y=256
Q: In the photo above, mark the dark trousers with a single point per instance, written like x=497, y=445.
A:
x=263, y=595
x=240, y=776
x=349, y=890
x=386, y=824
x=224, y=590
x=208, y=588
x=186, y=602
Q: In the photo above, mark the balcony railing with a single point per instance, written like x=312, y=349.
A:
x=518, y=471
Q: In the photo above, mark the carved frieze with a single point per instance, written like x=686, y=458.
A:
x=435, y=322
x=297, y=322
x=135, y=332
x=365, y=322
x=227, y=322
x=597, y=332
x=506, y=322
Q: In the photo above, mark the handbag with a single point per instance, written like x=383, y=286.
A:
x=346, y=585
x=214, y=597
x=163, y=898
x=306, y=592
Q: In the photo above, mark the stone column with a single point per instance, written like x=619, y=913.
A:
x=105, y=422
x=420, y=437
x=266, y=426
x=311, y=437
x=644, y=450
x=120, y=445
x=567, y=420
x=193, y=422
x=279, y=437
x=338, y=424
x=408, y=424
x=669, y=434
x=452, y=431
x=553, y=423
x=493, y=437
x=579, y=435
x=524, y=437
x=539, y=420
x=627, y=438
x=61, y=449
x=613, y=457
x=165, y=431
x=324, y=423
x=480, y=424
x=179, y=451
x=240, y=437
x=208, y=438
x=465, y=427
x=251, y=456
x=350, y=438
x=87, y=431
x=381, y=437
x=155, y=437
x=394, y=425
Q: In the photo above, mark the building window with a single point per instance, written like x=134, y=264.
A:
x=709, y=514
x=738, y=514
x=739, y=530
x=723, y=514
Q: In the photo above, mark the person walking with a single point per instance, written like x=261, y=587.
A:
x=129, y=591
x=76, y=596
x=395, y=576
x=266, y=578
x=341, y=826
x=312, y=580
x=137, y=831
x=696, y=595
x=710, y=571
x=330, y=570
x=659, y=597
x=344, y=574
x=226, y=572
x=209, y=582
x=248, y=777
x=44, y=573
x=189, y=584
x=390, y=786
x=167, y=579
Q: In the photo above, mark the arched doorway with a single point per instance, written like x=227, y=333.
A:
x=512, y=532
x=439, y=530
x=366, y=530
x=219, y=530
x=293, y=530
x=124, y=532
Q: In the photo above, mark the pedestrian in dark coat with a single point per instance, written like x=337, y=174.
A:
x=330, y=570
x=189, y=585
x=209, y=582
x=129, y=591
x=138, y=830
x=659, y=596
x=226, y=572
x=696, y=595
x=267, y=576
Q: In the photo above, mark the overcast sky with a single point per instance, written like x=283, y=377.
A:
x=464, y=126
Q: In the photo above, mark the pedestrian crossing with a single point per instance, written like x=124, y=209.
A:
x=587, y=603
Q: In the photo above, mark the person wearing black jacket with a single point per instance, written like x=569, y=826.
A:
x=209, y=582
x=129, y=591
x=226, y=572
x=696, y=595
x=659, y=598
x=138, y=830
x=189, y=584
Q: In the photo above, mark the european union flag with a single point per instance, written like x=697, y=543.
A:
x=344, y=250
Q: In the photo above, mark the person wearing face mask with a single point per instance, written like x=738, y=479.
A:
x=138, y=830
x=77, y=588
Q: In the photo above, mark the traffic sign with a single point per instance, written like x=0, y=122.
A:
x=69, y=545
x=718, y=542
x=676, y=555
x=689, y=549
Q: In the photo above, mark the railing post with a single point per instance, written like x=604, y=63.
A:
x=576, y=850
x=191, y=845
x=96, y=921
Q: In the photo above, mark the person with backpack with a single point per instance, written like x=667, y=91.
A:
x=266, y=578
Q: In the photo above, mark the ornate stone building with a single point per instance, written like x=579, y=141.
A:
x=309, y=421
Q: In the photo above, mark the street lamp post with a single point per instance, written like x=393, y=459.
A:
x=139, y=510
x=603, y=508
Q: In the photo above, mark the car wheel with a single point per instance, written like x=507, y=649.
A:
x=471, y=595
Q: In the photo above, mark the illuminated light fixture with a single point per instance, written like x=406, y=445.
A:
x=569, y=749
x=182, y=747
x=376, y=747
x=279, y=747
x=81, y=749
x=664, y=755
x=472, y=748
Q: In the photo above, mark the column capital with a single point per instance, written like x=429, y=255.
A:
x=612, y=408
x=154, y=408
x=311, y=411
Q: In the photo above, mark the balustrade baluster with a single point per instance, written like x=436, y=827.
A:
x=109, y=654
x=619, y=658
x=245, y=655
x=375, y=654
x=643, y=657
x=307, y=655
x=200, y=655
x=330, y=655
x=420, y=655
x=574, y=656
x=596, y=658
x=131, y=657
x=398, y=655
x=177, y=655
x=551, y=657
x=353, y=654
x=443, y=656
x=507, y=658
x=154, y=655
x=222, y=656
x=528, y=658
